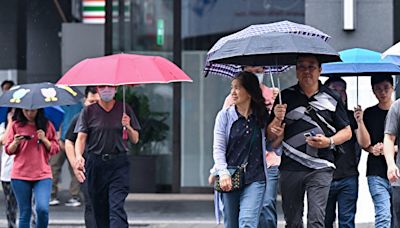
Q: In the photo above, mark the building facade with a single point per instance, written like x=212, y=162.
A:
x=32, y=39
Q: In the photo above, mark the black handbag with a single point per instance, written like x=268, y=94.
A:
x=237, y=172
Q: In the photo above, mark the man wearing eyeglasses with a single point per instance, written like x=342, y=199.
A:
x=371, y=124
x=316, y=121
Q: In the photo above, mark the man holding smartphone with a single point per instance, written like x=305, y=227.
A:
x=308, y=163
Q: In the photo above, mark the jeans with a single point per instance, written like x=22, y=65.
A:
x=242, y=208
x=344, y=192
x=396, y=206
x=23, y=192
x=380, y=191
x=268, y=216
x=294, y=184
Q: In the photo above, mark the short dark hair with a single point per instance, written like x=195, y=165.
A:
x=334, y=78
x=7, y=82
x=308, y=55
x=90, y=89
x=381, y=78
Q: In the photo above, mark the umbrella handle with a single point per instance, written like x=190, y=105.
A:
x=124, y=130
x=272, y=79
x=124, y=133
x=279, y=87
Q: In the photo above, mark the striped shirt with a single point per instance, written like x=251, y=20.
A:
x=298, y=155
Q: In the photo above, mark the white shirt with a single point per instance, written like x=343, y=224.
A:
x=6, y=160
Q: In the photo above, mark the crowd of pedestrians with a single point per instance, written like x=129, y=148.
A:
x=319, y=141
x=304, y=139
x=32, y=161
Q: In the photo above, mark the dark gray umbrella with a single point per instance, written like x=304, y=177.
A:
x=39, y=95
x=273, y=49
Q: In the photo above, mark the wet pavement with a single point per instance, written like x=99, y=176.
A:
x=149, y=211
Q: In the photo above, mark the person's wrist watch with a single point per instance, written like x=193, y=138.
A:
x=331, y=143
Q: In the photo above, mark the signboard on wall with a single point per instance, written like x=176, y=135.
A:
x=93, y=11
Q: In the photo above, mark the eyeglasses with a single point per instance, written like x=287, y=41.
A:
x=303, y=67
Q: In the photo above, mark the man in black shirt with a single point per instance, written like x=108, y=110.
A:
x=344, y=186
x=103, y=130
x=91, y=97
x=371, y=126
x=316, y=121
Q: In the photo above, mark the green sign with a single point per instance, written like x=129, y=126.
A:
x=160, y=32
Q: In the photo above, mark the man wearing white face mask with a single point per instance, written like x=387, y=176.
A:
x=100, y=128
x=268, y=217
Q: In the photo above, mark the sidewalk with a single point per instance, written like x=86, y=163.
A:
x=149, y=211
x=144, y=210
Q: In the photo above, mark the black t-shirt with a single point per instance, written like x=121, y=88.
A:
x=70, y=135
x=346, y=164
x=374, y=120
x=104, y=129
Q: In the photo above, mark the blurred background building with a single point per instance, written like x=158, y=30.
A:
x=41, y=39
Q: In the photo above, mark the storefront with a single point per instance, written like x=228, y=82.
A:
x=183, y=31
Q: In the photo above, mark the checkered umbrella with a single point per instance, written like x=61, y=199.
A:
x=229, y=70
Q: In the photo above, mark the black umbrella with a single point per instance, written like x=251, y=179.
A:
x=273, y=49
x=39, y=95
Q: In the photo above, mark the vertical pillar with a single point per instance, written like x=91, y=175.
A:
x=177, y=97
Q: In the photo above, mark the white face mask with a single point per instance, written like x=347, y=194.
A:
x=260, y=77
x=107, y=93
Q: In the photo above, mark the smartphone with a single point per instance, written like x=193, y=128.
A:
x=27, y=137
x=309, y=134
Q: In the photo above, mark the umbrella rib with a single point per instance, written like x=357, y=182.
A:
x=116, y=73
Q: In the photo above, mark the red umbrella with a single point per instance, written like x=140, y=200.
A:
x=123, y=69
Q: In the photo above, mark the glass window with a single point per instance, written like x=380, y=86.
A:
x=203, y=23
x=145, y=27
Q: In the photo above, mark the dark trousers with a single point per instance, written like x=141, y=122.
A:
x=344, y=192
x=90, y=221
x=294, y=184
x=108, y=186
x=396, y=207
x=11, y=204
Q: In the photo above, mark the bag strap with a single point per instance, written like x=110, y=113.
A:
x=313, y=115
x=245, y=162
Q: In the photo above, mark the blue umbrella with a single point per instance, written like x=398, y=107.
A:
x=360, y=62
x=54, y=113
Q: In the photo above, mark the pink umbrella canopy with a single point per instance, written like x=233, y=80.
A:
x=123, y=69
